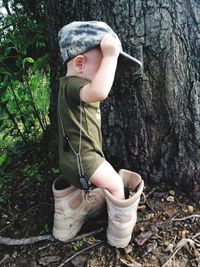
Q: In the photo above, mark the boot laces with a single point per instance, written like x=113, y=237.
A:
x=90, y=196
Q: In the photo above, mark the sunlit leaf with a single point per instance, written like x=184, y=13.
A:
x=41, y=62
x=28, y=60
x=3, y=160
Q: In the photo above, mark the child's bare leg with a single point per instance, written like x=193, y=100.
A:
x=106, y=177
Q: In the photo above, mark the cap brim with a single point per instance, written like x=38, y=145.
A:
x=128, y=63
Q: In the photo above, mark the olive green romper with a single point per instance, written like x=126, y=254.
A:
x=69, y=106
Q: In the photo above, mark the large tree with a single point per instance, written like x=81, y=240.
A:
x=150, y=122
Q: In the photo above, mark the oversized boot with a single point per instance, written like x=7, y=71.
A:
x=73, y=207
x=122, y=214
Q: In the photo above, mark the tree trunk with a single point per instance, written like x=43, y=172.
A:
x=150, y=123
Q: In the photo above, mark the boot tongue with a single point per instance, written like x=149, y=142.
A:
x=134, y=183
x=61, y=188
x=132, y=190
x=61, y=184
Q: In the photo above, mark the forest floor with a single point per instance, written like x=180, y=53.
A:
x=167, y=232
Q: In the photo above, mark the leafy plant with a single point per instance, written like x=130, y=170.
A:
x=24, y=74
x=3, y=160
x=24, y=89
x=25, y=106
x=32, y=172
x=5, y=179
x=45, y=229
x=77, y=245
x=55, y=171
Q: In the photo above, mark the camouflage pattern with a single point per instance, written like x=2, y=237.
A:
x=79, y=36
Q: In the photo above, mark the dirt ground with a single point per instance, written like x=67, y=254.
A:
x=167, y=232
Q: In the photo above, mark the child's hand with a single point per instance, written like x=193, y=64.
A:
x=101, y=83
x=110, y=46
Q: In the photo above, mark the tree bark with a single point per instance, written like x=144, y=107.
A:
x=150, y=123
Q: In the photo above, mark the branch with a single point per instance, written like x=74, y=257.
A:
x=26, y=241
x=19, y=109
x=16, y=217
x=12, y=118
x=180, y=245
x=86, y=235
x=33, y=105
x=185, y=218
x=196, y=235
x=78, y=253
x=173, y=254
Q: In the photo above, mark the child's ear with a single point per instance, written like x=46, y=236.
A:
x=78, y=63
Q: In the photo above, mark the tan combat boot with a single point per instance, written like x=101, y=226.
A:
x=73, y=207
x=122, y=214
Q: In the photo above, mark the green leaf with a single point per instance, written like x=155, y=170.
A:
x=1, y=124
x=3, y=160
x=6, y=135
x=35, y=81
x=8, y=50
x=41, y=62
x=55, y=171
x=28, y=60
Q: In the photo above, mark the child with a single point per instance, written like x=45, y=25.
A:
x=91, y=51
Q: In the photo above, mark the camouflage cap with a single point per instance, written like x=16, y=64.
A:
x=79, y=36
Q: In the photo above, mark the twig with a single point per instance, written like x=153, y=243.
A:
x=26, y=241
x=173, y=254
x=196, y=235
x=6, y=226
x=86, y=235
x=185, y=218
x=78, y=253
x=183, y=242
x=4, y=258
x=44, y=247
x=149, y=206
x=13, y=119
x=150, y=192
x=16, y=218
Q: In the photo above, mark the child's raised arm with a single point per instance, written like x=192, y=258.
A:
x=101, y=84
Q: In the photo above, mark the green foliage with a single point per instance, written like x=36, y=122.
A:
x=22, y=164
x=25, y=106
x=32, y=172
x=3, y=160
x=5, y=180
x=77, y=245
x=24, y=73
x=45, y=230
x=24, y=91
x=55, y=171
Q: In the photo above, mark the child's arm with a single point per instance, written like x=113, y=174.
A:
x=101, y=84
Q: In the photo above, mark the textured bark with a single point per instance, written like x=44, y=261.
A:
x=151, y=123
